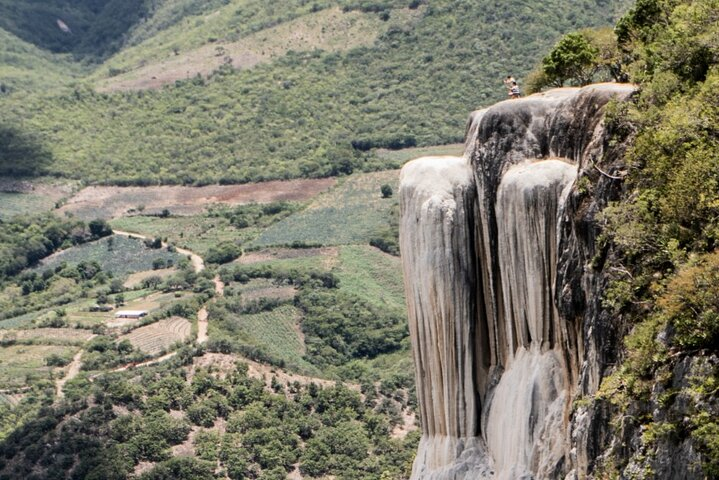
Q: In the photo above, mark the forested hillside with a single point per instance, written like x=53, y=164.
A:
x=300, y=114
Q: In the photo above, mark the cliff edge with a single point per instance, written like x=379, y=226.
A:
x=503, y=309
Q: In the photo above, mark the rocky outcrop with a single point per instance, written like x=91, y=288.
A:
x=501, y=306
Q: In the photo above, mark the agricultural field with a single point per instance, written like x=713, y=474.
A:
x=259, y=288
x=21, y=365
x=372, y=275
x=117, y=254
x=22, y=320
x=301, y=259
x=11, y=399
x=278, y=333
x=26, y=197
x=157, y=337
x=352, y=212
x=151, y=302
x=46, y=336
x=134, y=280
x=197, y=233
x=113, y=202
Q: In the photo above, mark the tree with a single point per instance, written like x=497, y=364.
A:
x=100, y=228
x=386, y=191
x=119, y=300
x=223, y=252
x=573, y=59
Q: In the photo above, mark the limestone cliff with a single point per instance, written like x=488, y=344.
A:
x=503, y=312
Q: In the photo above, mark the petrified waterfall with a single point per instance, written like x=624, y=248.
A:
x=493, y=271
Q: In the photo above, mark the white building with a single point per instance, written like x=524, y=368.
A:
x=131, y=314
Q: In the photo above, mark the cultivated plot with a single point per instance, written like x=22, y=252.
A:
x=157, y=337
x=117, y=254
x=352, y=212
x=21, y=365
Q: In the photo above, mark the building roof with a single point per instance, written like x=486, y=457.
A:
x=131, y=313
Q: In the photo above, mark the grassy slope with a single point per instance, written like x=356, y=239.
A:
x=197, y=233
x=299, y=115
x=372, y=275
x=350, y=213
x=26, y=67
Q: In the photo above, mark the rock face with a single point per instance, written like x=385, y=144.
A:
x=502, y=311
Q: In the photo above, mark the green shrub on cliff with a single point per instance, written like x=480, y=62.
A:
x=662, y=236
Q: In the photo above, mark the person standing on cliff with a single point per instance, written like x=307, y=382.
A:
x=508, y=83
x=514, y=91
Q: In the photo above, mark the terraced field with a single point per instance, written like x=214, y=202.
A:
x=350, y=213
x=159, y=336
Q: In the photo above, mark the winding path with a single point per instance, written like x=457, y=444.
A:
x=197, y=262
x=72, y=372
x=202, y=324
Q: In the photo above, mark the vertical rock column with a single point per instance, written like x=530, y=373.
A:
x=438, y=202
x=526, y=428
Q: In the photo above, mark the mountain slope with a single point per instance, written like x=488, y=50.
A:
x=306, y=114
x=26, y=67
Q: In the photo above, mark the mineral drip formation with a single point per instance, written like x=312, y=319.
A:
x=489, y=250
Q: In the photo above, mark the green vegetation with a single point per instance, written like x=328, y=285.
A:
x=26, y=241
x=25, y=67
x=96, y=27
x=579, y=58
x=275, y=332
x=372, y=276
x=241, y=126
x=659, y=241
x=21, y=365
x=33, y=197
x=353, y=212
x=351, y=306
x=117, y=255
x=201, y=233
x=329, y=430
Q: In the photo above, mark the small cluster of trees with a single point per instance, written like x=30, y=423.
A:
x=26, y=241
x=579, y=58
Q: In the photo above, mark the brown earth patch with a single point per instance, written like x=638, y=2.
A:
x=286, y=253
x=280, y=293
x=136, y=279
x=112, y=202
x=51, y=334
x=330, y=30
x=224, y=363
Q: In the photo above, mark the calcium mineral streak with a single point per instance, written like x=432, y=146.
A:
x=488, y=249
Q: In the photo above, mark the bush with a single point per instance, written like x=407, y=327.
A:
x=223, y=252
